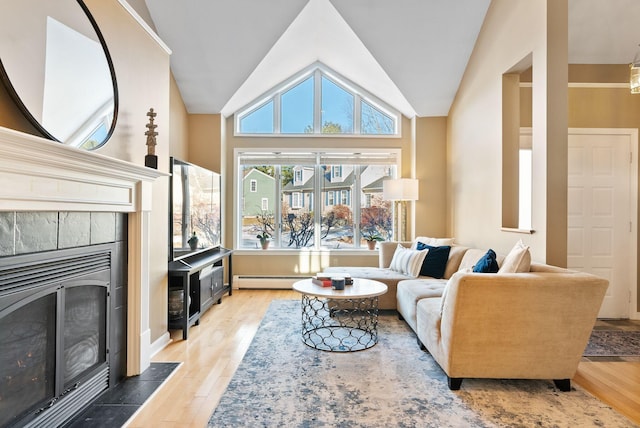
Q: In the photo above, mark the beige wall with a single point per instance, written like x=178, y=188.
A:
x=430, y=167
x=512, y=30
x=143, y=76
x=11, y=116
x=178, y=124
x=205, y=145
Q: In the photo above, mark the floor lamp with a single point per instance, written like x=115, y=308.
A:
x=400, y=190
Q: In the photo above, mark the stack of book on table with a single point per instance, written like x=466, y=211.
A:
x=324, y=279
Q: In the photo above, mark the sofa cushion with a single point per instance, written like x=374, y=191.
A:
x=435, y=242
x=455, y=257
x=386, y=249
x=411, y=291
x=408, y=261
x=387, y=276
x=518, y=260
x=470, y=258
x=487, y=263
x=379, y=274
x=435, y=262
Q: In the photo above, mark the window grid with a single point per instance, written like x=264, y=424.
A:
x=318, y=73
x=346, y=211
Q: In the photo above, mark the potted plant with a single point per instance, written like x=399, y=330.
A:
x=372, y=238
x=264, y=239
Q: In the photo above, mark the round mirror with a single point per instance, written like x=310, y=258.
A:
x=55, y=64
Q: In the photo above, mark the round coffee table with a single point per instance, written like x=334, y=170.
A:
x=340, y=320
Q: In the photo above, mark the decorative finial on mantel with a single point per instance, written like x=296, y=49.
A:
x=151, y=160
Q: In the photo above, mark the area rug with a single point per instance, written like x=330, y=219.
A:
x=283, y=382
x=613, y=343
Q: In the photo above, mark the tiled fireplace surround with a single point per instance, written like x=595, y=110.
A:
x=50, y=181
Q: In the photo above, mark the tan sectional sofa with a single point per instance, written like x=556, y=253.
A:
x=531, y=325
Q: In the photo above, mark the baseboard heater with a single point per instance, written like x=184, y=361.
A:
x=266, y=281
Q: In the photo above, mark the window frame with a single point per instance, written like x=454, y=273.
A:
x=318, y=71
x=312, y=159
x=297, y=199
x=331, y=198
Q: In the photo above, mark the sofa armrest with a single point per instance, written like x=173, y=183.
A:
x=386, y=251
x=492, y=323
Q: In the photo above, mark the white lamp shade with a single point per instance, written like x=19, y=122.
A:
x=400, y=189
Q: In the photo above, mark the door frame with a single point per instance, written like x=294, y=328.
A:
x=632, y=133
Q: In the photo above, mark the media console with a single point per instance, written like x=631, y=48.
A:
x=201, y=278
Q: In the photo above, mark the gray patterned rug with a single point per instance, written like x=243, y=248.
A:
x=613, y=343
x=283, y=382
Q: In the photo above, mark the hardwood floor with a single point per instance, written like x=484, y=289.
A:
x=215, y=348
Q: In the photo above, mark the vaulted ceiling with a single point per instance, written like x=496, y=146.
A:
x=410, y=53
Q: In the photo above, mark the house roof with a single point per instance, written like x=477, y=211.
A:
x=409, y=53
x=374, y=186
x=327, y=184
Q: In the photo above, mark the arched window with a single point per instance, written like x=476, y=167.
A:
x=317, y=101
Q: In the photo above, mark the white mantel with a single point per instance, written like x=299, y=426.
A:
x=40, y=175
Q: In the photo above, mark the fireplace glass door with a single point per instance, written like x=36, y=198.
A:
x=85, y=332
x=51, y=343
x=27, y=358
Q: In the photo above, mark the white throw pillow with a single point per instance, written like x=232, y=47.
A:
x=434, y=242
x=408, y=261
x=518, y=260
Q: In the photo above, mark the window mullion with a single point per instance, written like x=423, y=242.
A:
x=276, y=113
x=277, y=209
x=317, y=201
x=357, y=113
x=317, y=102
x=356, y=200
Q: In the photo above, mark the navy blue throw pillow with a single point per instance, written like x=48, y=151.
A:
x=435, y=262
x=487, y=263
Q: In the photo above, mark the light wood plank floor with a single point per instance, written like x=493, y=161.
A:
x=215, y=348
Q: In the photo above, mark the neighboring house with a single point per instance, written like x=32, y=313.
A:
x=259, y=192
x=337, y=187
x=372, y=190
x=298, y=194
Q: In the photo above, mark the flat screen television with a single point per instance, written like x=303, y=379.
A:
x=195, y=208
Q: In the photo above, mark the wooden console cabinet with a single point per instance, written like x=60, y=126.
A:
x=201, y=277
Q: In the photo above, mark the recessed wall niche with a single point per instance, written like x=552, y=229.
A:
x=517, y=148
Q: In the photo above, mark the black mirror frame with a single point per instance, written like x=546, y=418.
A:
x=4, y=77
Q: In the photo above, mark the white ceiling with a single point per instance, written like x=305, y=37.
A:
x=409, y=53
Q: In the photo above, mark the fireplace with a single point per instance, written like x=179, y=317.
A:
x=58, y=349
x=39, y=176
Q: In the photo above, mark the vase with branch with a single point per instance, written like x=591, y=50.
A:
x=265, y=227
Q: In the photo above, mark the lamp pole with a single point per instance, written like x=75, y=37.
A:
x=400, y=191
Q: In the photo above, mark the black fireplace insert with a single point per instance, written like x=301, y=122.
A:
x=55, y=314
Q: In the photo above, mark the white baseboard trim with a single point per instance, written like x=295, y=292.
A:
x=160, y=344
x=284, y=282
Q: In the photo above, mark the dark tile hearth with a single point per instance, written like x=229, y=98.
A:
x=116, y=406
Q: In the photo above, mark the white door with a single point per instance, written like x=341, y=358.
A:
x=600, y=224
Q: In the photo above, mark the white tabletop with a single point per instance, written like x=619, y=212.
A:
x=361, y=288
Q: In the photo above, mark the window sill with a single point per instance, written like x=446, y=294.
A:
x=516, y=230
x=305, y=251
